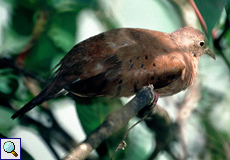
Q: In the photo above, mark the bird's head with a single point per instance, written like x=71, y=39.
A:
x=192, y=41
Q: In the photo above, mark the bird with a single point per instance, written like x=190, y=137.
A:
x=118, y=62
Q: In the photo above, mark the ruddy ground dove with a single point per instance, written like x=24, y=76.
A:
x=119, y=62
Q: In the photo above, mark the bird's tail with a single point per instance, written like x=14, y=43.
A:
x=46, y=94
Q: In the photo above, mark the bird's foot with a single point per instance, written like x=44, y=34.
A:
x=155, y=100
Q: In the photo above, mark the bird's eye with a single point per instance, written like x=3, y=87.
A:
x=201, y=43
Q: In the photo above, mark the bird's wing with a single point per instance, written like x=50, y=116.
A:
x=94, y=55
x=99, y=56
x=109, y=72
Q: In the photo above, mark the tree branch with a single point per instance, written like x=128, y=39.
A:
x=113, y=123
x=199, y=16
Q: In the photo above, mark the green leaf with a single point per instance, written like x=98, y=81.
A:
x=8, y=83
x=57, y=40
x=40, y=57
x=6, y=123
x=211, y=11
x=22, y=20
x=73, y=5
x=62, y=30
x=93, y=111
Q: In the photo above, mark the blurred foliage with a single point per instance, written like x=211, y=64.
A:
x=40, y=32
x=211, y=8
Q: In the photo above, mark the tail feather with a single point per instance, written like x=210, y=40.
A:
x=46, y=94
x=39, y=99
x=53, y=89
x=24, y=109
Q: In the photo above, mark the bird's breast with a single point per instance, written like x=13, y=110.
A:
x=185, y=81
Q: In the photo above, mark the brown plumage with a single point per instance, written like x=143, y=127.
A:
x=119, y=62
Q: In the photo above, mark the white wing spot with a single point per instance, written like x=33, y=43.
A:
x=76, y=80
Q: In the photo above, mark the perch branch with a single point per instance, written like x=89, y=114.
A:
x=113, y=123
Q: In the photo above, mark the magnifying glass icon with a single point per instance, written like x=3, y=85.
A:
x=9, y=147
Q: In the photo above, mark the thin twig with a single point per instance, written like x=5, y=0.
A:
x=122, y=144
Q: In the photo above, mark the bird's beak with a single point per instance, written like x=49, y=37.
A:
x=207, y=51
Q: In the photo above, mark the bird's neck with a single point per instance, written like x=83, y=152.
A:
x=191, y=70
